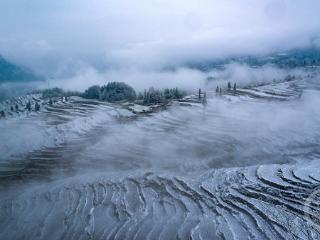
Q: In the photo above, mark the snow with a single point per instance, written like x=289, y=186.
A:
x=140, y=109
x=239, y=167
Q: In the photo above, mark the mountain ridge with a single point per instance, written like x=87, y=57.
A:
x=10, y=72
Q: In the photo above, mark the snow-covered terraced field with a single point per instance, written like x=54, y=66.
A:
x=241, y=167
x=263, y=202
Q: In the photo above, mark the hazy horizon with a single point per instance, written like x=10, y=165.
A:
x=59, y=39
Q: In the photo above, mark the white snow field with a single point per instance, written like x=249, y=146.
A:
x=240, y=167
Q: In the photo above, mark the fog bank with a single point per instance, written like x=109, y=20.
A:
x=57, y=38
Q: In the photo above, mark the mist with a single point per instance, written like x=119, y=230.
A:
x=59, y=40
x=187, y=79
x=228, y=148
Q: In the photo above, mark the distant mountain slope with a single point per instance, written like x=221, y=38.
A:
x=10, y=72
x=290, y=59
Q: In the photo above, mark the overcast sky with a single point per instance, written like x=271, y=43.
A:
x=54, y=37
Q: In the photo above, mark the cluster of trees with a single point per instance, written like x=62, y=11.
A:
x=117, y=91
x=52, y=92
x=153, y=96
x=36, y=106
x=234, y=86
x=16, y=109
x=57, y=93
x=112, y=92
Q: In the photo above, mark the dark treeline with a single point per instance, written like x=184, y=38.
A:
x=112, y=92
x=57, y=93
x=118, y=91
x=154, y=96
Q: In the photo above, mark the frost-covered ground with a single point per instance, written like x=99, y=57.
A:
x=240, y=167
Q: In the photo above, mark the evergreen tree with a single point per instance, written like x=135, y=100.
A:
x=28, y=107
x=229, y=86
x=37, y=107
x=204, y=101
x=140, y=96
x=93, y=92
x=166, y=93
x=53, y=92
x=153, y=96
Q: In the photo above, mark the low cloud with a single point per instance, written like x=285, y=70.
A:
x=183, y=78
x=57, y=38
